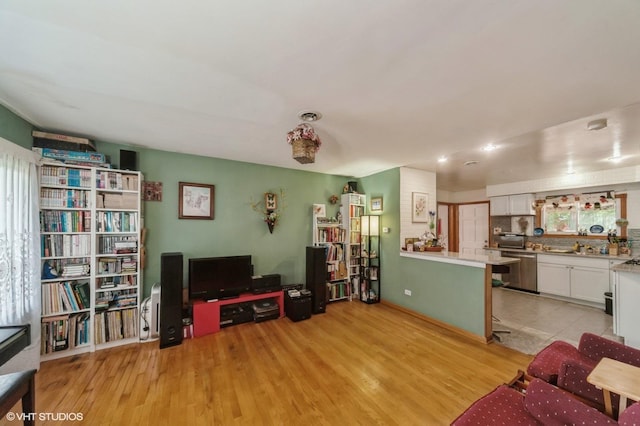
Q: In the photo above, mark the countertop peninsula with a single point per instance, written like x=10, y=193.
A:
x=476, y=260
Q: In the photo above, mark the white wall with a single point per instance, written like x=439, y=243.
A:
x=623, y=175
x=412, y=180
x=462, y=196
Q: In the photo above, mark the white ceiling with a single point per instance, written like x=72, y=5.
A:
x=399, y=83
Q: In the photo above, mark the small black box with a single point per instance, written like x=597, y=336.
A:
x=286, y=287
x=261, y=284
x=128, y=160
x=297, y=308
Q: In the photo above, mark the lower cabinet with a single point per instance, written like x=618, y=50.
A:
x=554, y=279
x=585, y=279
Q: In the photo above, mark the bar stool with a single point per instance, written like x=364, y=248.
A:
x=498, y=269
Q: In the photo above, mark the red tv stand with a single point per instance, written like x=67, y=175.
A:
x=206, y=315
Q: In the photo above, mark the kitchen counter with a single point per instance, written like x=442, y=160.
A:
x=560, y=253
x=624, y=267
x=474, y=260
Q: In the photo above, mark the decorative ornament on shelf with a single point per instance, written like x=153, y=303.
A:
x=303, y=138
x=622, y=222
x=269, y=209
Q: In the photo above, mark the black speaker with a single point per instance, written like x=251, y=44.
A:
x=170, y=299
x=317, y=278
x=128, y=160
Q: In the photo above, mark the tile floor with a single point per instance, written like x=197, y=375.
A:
x=535, y=321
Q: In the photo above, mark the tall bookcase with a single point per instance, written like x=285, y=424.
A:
x=353, y=207
x=90, y=223
x=329, y=233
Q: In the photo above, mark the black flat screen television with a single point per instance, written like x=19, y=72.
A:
x=219, y=277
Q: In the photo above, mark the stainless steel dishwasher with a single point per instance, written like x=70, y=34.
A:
x=524, y=274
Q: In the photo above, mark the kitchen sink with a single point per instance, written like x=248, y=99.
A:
x=560, y=250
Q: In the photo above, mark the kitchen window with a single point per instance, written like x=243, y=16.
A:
x=591, y=214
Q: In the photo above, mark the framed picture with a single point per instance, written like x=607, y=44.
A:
x=376, y=204
x=270, y=201
x=195, y=201
x=419, y=204
x=152, y=191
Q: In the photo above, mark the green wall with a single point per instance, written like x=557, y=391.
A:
x=236, y=228
x=445, y=292
x=449, y=293
x=15, y=129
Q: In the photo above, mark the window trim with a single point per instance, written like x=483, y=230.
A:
x=622, y=198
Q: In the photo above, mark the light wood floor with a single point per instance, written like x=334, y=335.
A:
x=355, y=364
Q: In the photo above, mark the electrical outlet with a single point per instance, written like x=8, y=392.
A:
x=407, y=292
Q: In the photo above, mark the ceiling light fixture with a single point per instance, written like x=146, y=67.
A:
x=470, y=163
x=442, y=159
x=598, y=124
x=303, y=138
x=309, y=116
x=489, y=147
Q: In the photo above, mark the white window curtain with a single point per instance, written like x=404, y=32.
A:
x=19, y=249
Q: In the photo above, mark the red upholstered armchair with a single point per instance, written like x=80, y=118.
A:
x=542, y=404
x=562, y=364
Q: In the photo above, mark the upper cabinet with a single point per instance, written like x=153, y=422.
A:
x=513, y=205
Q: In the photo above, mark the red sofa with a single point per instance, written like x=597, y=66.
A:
x=541, y=404
x=567, y=366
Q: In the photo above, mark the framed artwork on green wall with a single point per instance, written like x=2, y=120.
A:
x=195, y=201
x=376, y=204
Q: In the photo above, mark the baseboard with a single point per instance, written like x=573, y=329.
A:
x=437, y=323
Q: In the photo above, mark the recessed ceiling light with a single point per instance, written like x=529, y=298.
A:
x=489, y=147
x=309, y=116
x=598, y=124
x=442, y=159
x=470, y=163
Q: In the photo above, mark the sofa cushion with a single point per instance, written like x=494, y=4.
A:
x=597, y=347
x=573, y=377
x=502, y=406
x=547, y=362
x=551, y=406
x=630, y=416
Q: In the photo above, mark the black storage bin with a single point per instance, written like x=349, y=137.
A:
x=608, y=303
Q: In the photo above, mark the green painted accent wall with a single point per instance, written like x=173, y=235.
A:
x=15, y=129
x=449, y=293
x=236, y=228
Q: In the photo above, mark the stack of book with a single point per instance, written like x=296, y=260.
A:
x=75, y=270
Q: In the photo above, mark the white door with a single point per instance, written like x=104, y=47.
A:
x=473, y=228
x=443, y=222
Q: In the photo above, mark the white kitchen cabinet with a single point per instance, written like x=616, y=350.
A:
x=499, y=206
x=553, y=279
x=512, y=205
x=589, y=284
x=612, y=273
x=626, y=312
x=580, y=278
x=521, y=204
